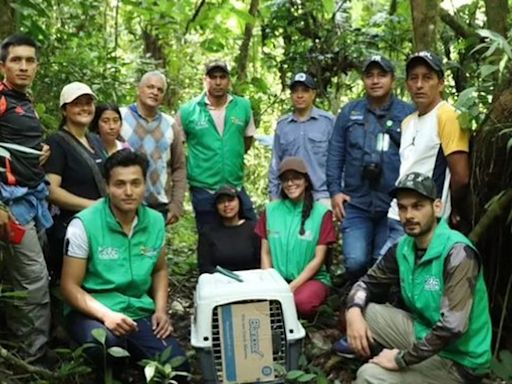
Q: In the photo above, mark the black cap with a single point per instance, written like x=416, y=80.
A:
x=382, y=61
x=303, y=78
x=226, y=190
x=432, y=60
x=216, y=64
x=417, y=182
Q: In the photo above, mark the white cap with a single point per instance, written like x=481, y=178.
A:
x=73, y=90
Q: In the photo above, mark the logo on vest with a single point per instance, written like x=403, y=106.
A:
x=148, y=251
x=202, y=124
x=308, y=235
x=432, y=284
x=236, y=121
x=108, y=253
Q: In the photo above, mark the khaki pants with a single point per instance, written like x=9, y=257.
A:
x=26, y=270
x=393, y=328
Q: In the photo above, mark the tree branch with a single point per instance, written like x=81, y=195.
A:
x=194, y=16
x=456, y=25
x=243, y=54
x=501, y=206
x=19, y=363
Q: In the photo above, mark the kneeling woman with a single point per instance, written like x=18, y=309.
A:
x=296, y=232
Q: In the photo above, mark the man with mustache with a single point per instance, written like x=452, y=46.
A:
x=219, y=129
x=433, y=141
x=150, y=131
x=442, y=331
x=363, y=163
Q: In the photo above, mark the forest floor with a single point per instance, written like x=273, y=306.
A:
x=321, y=332
x=317, y=357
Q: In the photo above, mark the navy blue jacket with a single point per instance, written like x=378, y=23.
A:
x=354, y=144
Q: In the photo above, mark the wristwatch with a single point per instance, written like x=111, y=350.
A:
x=399, y=360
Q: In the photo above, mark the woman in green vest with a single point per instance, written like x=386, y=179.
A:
x=296, y=232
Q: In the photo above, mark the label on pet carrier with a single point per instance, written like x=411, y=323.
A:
x=246, y=340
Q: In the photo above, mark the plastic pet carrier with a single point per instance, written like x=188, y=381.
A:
x=244, y=325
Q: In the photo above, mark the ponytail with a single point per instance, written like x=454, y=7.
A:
x=307, y=207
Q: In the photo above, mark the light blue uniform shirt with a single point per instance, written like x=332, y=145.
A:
x=308, y=139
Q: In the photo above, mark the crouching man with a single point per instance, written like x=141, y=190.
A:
x=443, y=335
x=115, y=273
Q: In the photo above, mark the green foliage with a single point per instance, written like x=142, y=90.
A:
x=502, y=365
x=74, y=364
x=161, y=369
x=100, y=335
x=182, y=241
x=306, y=374
x=256, y=175
x=494, y=66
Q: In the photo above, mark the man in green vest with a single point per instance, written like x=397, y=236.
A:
x=219, y=129
x=443, y=333
x=115, y=275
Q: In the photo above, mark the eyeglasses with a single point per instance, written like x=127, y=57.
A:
x=293, y=178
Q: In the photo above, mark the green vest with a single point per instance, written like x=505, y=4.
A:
x=214, y=160
x=422, y=286
x=290, y=251
x=119, y=268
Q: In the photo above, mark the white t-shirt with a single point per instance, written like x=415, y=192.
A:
x=76, y=243
x=426, y=142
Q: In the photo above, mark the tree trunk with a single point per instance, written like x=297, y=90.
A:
x=7, y=19
x=243, y=54
x=491, y=184
x=496, y=12
x=153, y=47
x=424, y=23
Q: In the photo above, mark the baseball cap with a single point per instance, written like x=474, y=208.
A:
x=417, y=182
x=292, y=163
x=226, y=190
x=386, y=65
x=73, y=90
x=216, y=64
x=430, y=58
x=303, y=78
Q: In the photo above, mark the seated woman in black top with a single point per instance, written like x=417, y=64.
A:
x=231, y=244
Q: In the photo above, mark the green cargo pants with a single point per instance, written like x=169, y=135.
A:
x=393, y=328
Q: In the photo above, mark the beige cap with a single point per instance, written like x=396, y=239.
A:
x=73, y=90
x=292, y=163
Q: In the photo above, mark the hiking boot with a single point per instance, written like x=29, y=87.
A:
x=342, y=348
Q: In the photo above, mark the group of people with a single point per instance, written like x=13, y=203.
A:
x=103, y=187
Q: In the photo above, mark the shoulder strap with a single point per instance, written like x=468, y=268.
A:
x=82, y=152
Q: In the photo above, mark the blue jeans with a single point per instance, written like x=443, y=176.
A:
x=363, y=235
x=203, y=202
x=141, y=344
x=395, y=233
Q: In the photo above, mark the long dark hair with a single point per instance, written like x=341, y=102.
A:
x=241, y=212
x=308, y=202
x=94, y=126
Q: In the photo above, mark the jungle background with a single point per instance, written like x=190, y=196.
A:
x=109, y=44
